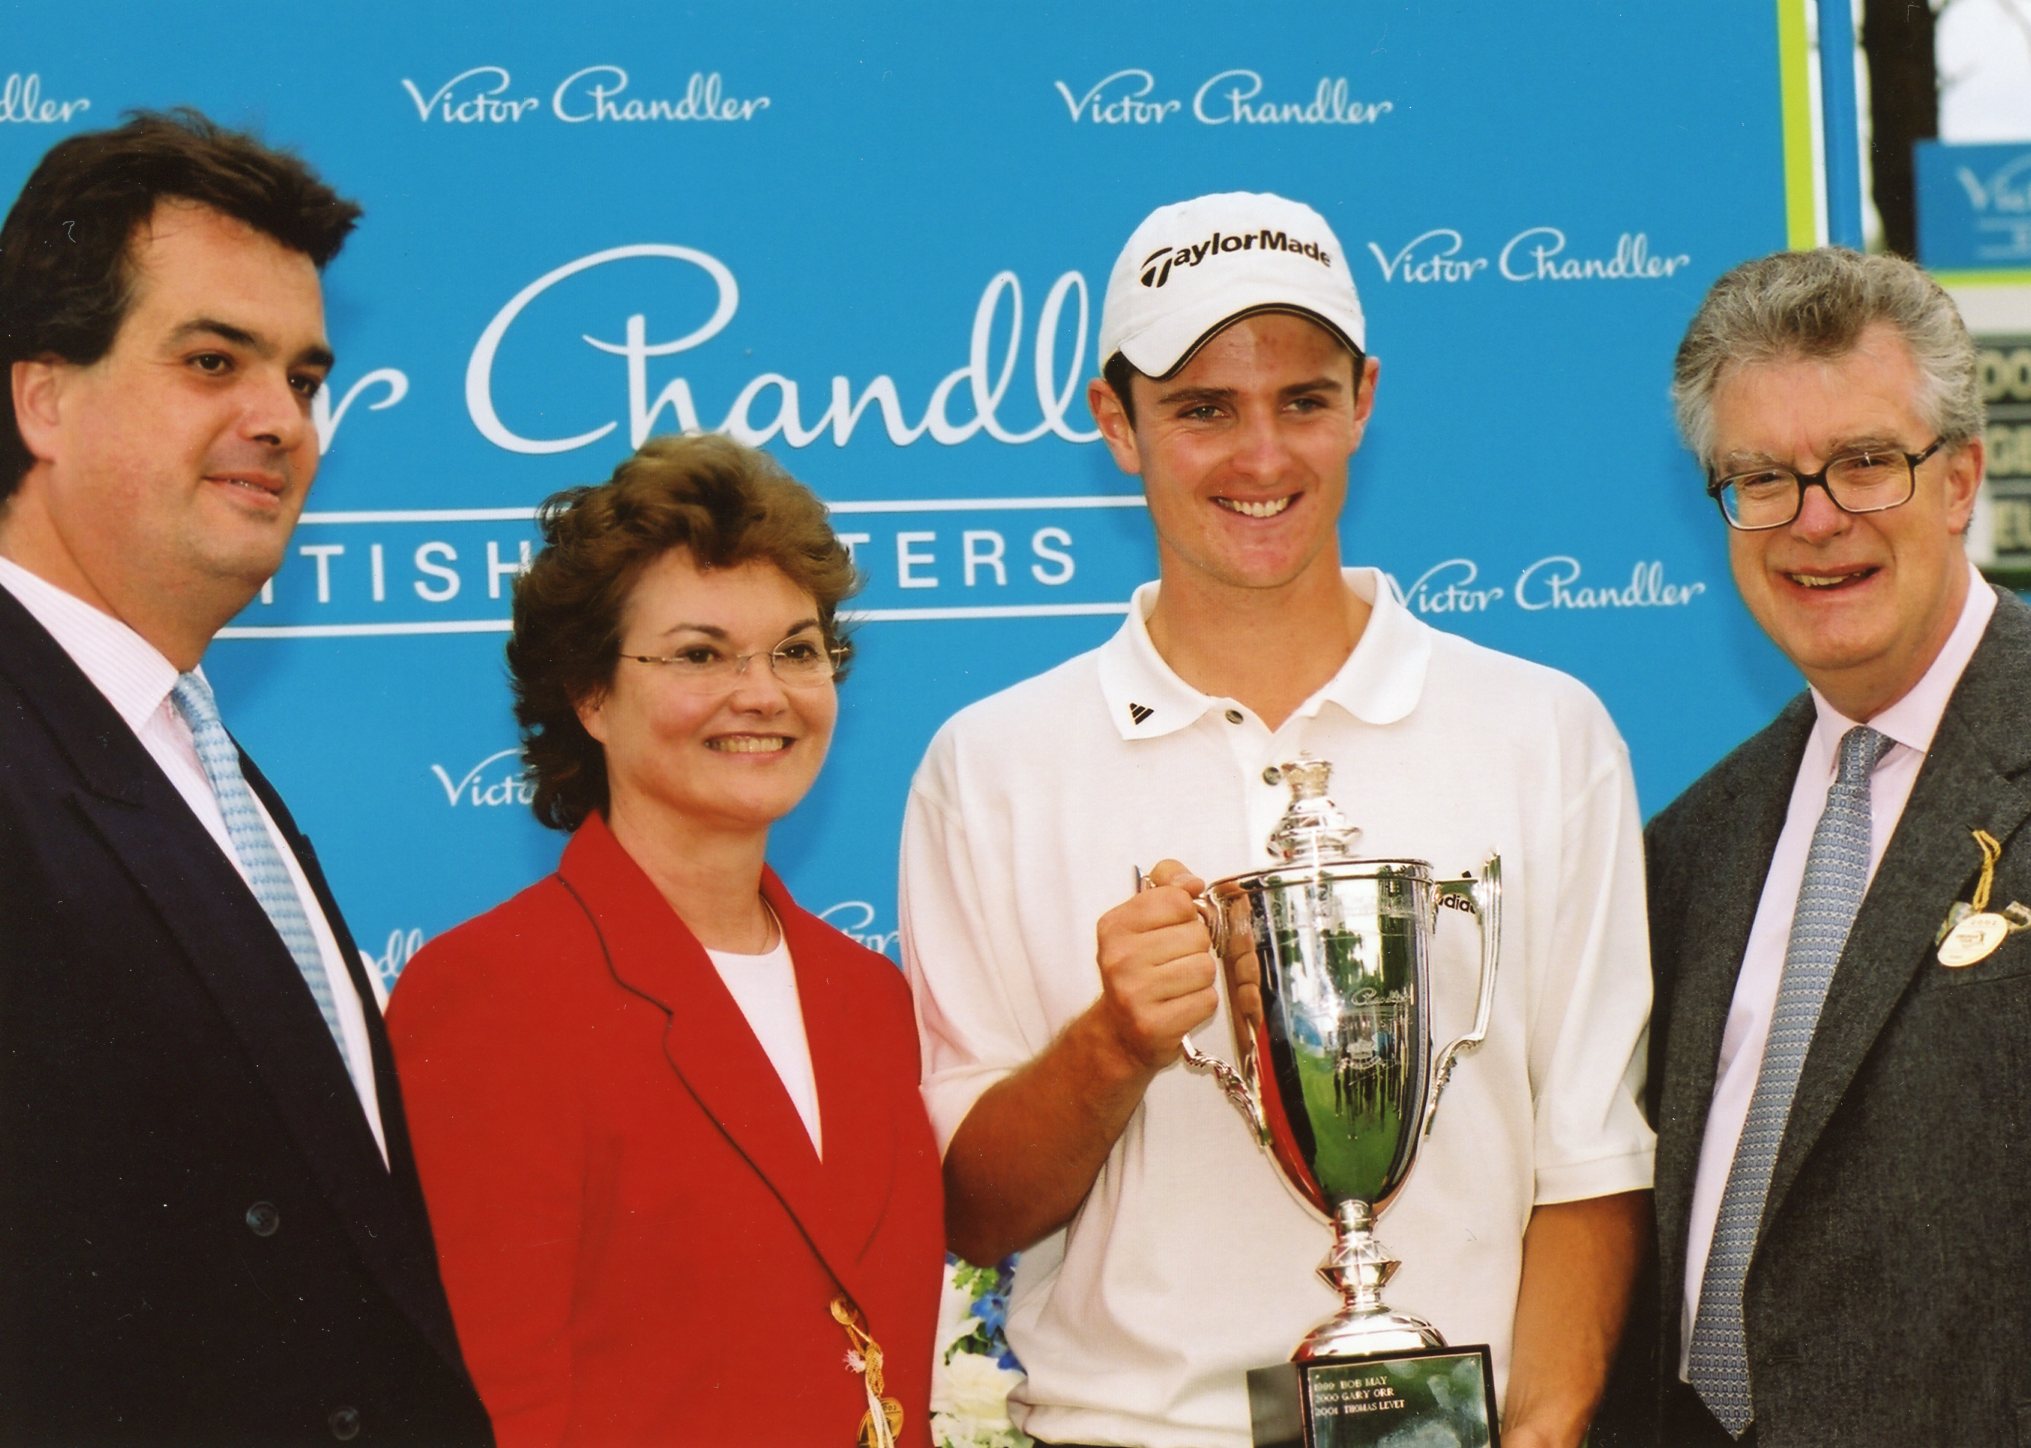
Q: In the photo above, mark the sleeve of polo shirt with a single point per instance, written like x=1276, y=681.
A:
x=977, y=1012
x=1590, y=997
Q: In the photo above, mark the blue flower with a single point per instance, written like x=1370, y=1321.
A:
x=992, y=1310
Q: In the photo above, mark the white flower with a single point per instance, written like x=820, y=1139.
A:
x=973, y=1387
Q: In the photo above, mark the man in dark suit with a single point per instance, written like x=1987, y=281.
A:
x=1843, y=1022
x=210, y=1222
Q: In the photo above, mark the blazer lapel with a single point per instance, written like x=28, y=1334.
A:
x=1977, y=775
x=249, y=974
x=860, y=1140
x=1732, y=845
x=708, y=1042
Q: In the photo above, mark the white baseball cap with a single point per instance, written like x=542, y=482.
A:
x=1193, y=267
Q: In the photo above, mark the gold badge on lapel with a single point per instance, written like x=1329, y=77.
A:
x=1974, y=939
x=883, y=1419
x=1972, y=931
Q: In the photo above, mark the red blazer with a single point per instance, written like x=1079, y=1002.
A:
x=639, y=1243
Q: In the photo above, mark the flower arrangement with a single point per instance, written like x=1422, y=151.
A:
x=970, y=1385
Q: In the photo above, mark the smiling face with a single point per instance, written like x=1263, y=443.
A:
x=1243, y=454
x=731, y=760
x=169, y=474
x=1861, y=603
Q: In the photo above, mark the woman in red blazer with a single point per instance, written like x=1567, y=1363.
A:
x=682, y=1184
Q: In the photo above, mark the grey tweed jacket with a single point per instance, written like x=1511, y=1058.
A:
x=1889, y=1299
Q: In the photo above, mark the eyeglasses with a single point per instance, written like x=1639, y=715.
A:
x=797, y=663
x=1871, y=481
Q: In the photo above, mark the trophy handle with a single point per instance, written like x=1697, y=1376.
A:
x=1482, y=899
x=1229, y=1079
x=1231, y=1085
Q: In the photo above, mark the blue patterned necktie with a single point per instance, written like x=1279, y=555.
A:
x=1836, y=870
x=266, y=873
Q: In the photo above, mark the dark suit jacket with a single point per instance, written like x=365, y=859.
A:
x=1889, y=1299
x=641, y=1244
x=198, y=1240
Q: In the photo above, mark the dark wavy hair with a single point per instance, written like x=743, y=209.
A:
x=725, y=505
x=66, y=248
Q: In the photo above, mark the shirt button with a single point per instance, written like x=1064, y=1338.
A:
x=345, y=1424
x=1233, y=716
x=1272, y=775
x=263, y=1220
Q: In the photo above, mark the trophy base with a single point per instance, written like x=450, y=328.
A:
x=1443, y=1397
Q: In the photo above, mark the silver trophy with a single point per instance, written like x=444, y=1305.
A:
x=1326, y=963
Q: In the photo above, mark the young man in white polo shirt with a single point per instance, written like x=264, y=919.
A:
x=1163, y=1257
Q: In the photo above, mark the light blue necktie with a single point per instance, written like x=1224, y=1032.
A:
x=255, y=847
x=1836, y=870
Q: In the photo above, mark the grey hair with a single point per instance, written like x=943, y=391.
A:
x=1816, y=305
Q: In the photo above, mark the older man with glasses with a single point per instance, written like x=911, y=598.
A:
x=1843, y=1014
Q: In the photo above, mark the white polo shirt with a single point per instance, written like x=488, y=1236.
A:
x=1190, y=1262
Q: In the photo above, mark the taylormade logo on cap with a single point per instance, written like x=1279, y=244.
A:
x=1157, y=265
x=1250, y=252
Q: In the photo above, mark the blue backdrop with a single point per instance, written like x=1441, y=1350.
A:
x=874, y=239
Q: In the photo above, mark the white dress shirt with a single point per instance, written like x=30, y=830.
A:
x=1910, y=724
x=137, y=680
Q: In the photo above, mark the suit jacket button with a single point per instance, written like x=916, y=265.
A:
x=263, y=1220
x=345, y=1424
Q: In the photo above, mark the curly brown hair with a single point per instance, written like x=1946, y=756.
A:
x=723, y=503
